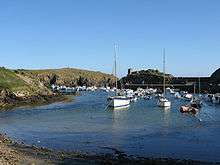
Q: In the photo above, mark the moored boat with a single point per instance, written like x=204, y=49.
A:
x=188, y=109
x=163, y=101
x=196, y=103
x=118, y=101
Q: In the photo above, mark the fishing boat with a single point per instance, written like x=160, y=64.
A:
x=163, y=101
x=118, y=101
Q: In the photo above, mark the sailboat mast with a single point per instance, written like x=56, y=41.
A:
x=199, y=85
x=115, y=74
x=194, y=89
x=164, y=74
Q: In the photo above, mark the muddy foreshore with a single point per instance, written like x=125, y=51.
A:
x=36, y=100
x=12, y=152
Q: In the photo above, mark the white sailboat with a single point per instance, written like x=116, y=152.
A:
x=118, y=101
x=163, y=101
x=196, y=102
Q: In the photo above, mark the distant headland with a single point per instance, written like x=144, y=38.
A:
x=154, y=78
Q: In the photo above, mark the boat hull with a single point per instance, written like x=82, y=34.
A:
x=119, y=102
x=164, y=103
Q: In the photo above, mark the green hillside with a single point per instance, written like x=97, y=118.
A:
x=9, y=80
x=69, y=77
x=21, y=87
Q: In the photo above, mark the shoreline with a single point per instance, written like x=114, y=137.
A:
x=12, y=152
x=36, y=100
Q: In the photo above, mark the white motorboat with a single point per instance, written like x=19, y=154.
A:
x=188, y=96
x=163, y=101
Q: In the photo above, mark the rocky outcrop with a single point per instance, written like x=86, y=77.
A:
x=215, y=77
x=149, y=76
x=6, y=97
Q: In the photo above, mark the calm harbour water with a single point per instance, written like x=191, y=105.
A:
x=142, y=130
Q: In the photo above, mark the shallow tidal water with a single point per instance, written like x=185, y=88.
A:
x=143, y=129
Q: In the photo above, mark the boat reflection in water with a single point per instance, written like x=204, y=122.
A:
x=166, y=116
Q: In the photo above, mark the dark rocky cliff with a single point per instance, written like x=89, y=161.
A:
x=215, y=77
x=149, y=76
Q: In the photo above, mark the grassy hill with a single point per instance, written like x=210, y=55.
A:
x=9, y=80
x=18, y=87
x=37, y=81
x=68, y=77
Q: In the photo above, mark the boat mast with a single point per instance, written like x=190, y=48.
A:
x=199, y=86
x=115, y=61
x=194, y=89
x=164, y=74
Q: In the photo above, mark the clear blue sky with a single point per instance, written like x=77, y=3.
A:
x=81, y=33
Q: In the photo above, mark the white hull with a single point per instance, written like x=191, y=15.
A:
x=188, y=96
x=119, y=102
x=215, y=101
x=164, y=103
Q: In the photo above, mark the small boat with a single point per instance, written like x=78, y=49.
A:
x=215, y=99
x=188, y=96
x=188, y=109
x=163, y=102
x=196, y=103
x=119, y=101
